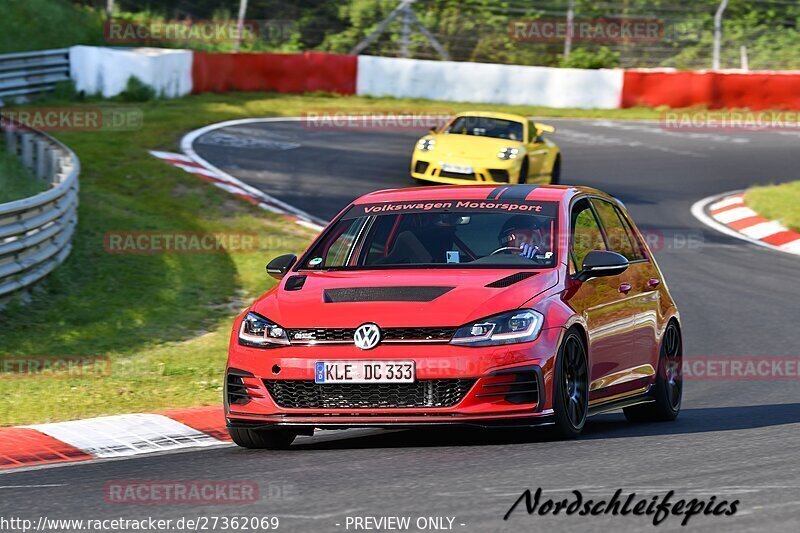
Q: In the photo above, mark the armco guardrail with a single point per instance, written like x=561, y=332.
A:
x=28, y=73
x=36, y=232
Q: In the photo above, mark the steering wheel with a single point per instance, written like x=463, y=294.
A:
x=507, y=249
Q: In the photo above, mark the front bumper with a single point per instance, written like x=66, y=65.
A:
x=430, y=169
x=510, y=385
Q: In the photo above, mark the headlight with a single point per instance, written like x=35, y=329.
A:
x=258, y=332
x=508, y=153
x=513, y=327
x=426, y=145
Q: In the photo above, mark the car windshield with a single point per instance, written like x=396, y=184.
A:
x=487, y=127
x=484, y=234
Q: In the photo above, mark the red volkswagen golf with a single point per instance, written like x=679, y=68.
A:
x=515, y=305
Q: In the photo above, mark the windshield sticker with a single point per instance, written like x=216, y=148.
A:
x=453, y=257
x=548, y=209
x=315, y=262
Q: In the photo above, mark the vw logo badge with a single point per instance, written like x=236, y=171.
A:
x=367, y=336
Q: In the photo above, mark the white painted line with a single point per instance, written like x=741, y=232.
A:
x=125, y=435
x=726, y=217
x=733, y=200
x=170, y=155
x=764, y=229
x=33, y=486
x=791, y=247
x=187, y=146
x=698, y=210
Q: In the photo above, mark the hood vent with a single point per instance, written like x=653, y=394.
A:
x=384, y=294
x=510, y=280
x=295, y=283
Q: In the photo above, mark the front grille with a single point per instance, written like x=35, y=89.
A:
x=499, y=174
x=456, y=175
x=417, y=334
x=321, y=335
x=345, y=335
x=421, y=167
x=302, y=394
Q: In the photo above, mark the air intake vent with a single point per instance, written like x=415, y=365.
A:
x=385, y=294
x=295, y=283
x=237, y=390
x=510, y=280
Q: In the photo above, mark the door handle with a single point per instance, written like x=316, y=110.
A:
x=653, y=282
x=624, y=288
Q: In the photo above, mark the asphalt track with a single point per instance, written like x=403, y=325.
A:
x=733, y=440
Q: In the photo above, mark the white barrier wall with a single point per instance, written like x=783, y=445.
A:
x=106, y=70
x=489, y=83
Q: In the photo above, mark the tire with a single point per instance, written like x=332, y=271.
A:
x=555, y=175
x=571, y=387
x=260, y=439
x=523, y=172
x=669, y=383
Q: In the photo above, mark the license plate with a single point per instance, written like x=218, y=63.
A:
x=364, y=372
x=458, y=169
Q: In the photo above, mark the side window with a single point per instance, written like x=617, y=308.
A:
x=586, y=235
x=619, y=239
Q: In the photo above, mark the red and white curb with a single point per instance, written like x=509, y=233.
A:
x=111, y=437
x=238, y=188
x=728, y=214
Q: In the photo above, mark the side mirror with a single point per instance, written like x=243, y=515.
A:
x=600, y=263
x=279, y=267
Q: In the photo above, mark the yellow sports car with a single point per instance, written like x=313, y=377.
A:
x=487, y=147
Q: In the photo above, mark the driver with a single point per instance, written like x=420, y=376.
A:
x=526, y=234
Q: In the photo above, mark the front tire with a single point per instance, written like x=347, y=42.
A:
x=669, y=383
x=523, y=172
x=260, y=439
x=571, y=387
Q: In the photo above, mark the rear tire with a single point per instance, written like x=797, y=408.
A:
x=260, y=439
x=571, y=387
x=669, y=383
x=555, y=175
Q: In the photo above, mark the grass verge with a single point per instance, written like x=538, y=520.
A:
x=777, y=202
x=163, y=320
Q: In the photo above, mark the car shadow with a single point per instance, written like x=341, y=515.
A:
x=607, y=426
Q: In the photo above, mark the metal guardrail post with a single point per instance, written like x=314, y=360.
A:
x=41, y=158
x=26, y=141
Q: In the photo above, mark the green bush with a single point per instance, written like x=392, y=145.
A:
x=600, y=58
x=137, y=91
